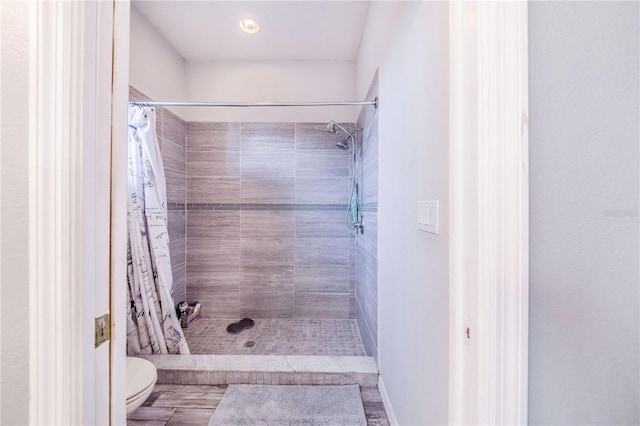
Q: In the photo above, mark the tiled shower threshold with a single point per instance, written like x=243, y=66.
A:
x=265, y=369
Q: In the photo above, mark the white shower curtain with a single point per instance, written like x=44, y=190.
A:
x=152, y=323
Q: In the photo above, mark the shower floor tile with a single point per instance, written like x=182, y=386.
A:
x=277, y=337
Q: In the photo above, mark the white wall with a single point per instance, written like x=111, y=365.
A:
x=413, y=165
x=14, y=193
x=155, y=68
x=271, y=81
x=379, y=32
x=584, y=141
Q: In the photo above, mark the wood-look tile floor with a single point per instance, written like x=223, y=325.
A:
x=276, y=336
x=193, y=405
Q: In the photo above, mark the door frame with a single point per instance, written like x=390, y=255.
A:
x=489, y=216
x=66, y=83
x=61, y=360
x=119, y=139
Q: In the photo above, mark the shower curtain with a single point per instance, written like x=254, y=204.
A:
x=152, y=323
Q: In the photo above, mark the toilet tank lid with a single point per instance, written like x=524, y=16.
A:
x=140, y=375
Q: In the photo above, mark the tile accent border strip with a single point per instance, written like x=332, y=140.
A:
x=252, y=206
x=366, y=207
x=370, y=207
x=176, y=206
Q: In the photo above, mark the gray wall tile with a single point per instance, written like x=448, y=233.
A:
x=371, y=315
x=261, y=163
x=216, y=304
x=366, y=263
x=176, y=224
x=266, y=279
x=213, y=135
x=268, y=136
x=248, y=256
x=179, y=295
x=322, y=278
x=370, y=183
x=322, y=251
x=159, y=119
x=218, y=224
x=213, y=162
x=215, y=254
x=352, y=278
x=177, y=247
x=176, y=186
x=367, y=294
x=317, y=190
x=267, y=251
x=322, y=163
x=266, y=224
x=369, y=239
x=216, y=278
x=215, y=189
x=352, y=305
x=173, y=128
x=314, y=224
x=173, y=156
x=266, y=305
x=268, y=190
x=352, y=249
x=370, y=146
x=322, y=305
x=179, y=272
x=366, y=333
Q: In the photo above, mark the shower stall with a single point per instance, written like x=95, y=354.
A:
x=264, y=222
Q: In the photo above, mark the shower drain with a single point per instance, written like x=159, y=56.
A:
x=249, y=344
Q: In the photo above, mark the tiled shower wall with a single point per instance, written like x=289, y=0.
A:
x=171, y=131
x=367, y=243
x=266, y=221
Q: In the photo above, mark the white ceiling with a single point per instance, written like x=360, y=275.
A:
x=289, y=30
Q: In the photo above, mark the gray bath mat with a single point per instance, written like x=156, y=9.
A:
x=290, y=405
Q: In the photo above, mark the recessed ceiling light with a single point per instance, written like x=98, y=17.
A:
x=249, y=26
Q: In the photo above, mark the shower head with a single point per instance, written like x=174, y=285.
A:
x=344, y=144
x=333, y=127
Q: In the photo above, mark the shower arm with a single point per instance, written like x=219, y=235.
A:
x=343, y=129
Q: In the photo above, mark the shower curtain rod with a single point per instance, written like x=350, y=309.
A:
x=253, y=104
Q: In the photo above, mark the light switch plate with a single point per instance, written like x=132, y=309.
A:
x=428, y=212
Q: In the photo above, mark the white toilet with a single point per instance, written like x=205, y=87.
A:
x=141, y=378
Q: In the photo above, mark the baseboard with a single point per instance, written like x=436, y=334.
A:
x=393, y=421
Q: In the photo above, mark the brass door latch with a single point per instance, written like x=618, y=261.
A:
x=103, y=329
